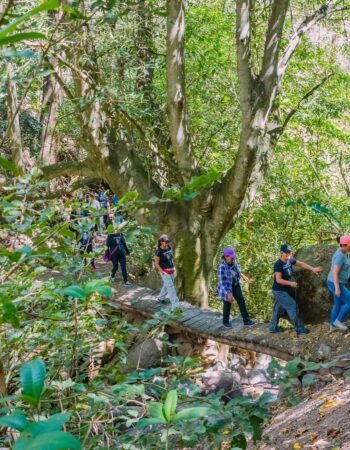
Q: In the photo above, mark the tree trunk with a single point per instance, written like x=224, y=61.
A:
x=13, y=130
x=52, y=100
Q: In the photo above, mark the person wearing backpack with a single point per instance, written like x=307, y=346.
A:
x=85, y=244
x=104, y=203
x=163, y=262
x=229, y=287
x=118, y=250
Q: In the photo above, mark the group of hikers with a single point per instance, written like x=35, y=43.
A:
x=229, y=274
x=283, y=288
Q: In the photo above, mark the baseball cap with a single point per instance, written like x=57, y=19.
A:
x=228, y=251
x=164, y=238
x=285, y=249
x=345, y=240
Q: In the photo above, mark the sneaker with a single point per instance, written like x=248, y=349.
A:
x=340, y=325
x=276, y=330
x=112, y=279
x=303, y=330
x=249, y=323
x=127, y=283
x=161, y=300
x=227, y=325
x=332, y=327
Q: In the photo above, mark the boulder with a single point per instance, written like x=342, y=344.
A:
x=228, y=381
x=144, y=355
x=312, y=295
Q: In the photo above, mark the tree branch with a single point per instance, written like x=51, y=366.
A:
x=278, y=131
x=66, y=168
x=343, y=175
x=176, y=96
x=77, y=184
x=244, y=56
x=269, y=72
x=305, y=26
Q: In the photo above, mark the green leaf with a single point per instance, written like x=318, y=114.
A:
x=99, y=287
x=17, y=421
x=170, y=405
x=308, y=379
x=45, y=6
x=146, y=422
x=193, y=413
x=7, y=164
x=56, y=440
x=74, y=291
x=156, y=411
x=12, y=53
x=53, y=423
x=292, y=366
x=21, y=37
x=32, y=376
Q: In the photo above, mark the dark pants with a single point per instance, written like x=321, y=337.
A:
x=285, y=304
x=119, y=257
x=238, y=296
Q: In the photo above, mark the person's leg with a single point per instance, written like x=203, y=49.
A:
x=345, y=307
x=226, y=308
x=337, y=303
x=276, y=313
x=238, y=296
x=168, y=281
x=115, y=262
x=291, y=307
x=122, y=260
x=163, y=293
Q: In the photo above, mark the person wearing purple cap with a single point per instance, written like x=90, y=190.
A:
x=229, y=287
x=163, y=262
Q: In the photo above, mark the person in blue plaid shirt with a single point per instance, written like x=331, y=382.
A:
x=229, y=287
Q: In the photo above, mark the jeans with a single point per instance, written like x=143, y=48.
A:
x=284, y=303
x=119, y=257
x=341, y=305
x=238, y=296
x=168, y=289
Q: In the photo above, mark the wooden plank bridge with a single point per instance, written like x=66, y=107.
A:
x=208, y=324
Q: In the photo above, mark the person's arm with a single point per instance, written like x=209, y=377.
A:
x=315, y=270
x=156, y=260
x=244, y=278
x=336, y=271
x=280, y=280
x=109, y=241
x=125, y=246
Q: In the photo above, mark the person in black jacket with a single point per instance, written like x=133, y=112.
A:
x=118, y=250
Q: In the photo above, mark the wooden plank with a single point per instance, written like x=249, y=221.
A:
x=195, y=320
x=188, y=315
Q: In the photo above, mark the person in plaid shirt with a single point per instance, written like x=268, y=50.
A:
x=229, y=287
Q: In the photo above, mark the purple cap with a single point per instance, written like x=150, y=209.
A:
x=228, y=251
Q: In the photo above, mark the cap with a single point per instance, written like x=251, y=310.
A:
x=228, y=251
x=285, y=249
x=345, y=240
x=164, y=238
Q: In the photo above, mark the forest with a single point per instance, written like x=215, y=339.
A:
x=218, y=123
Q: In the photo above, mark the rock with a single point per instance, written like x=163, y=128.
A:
x=314, y=299
x=145, y=354
x=324, y=351
x=256, y=376
x=183, y=346
x=229, y=381
x=236, y=361
x=343, y=361
x=337, y=371
x=262, y=361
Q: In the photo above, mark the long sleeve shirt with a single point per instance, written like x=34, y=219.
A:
x=228, y=275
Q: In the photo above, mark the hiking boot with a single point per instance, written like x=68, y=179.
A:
x=249, y=323
x=303, y=330
x=112, y=279
x=127, y=284
x=227, y=325
x=339, y=325
x=276, y=330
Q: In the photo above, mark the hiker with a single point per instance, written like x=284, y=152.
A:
x=86, y=245
x=336, y=282
x=284, y=288
x=118, y=250
x=104, y=203
x=163, y=262
x=229, y=287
